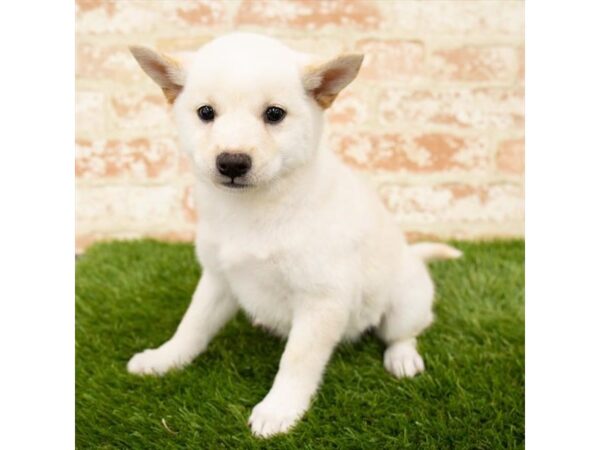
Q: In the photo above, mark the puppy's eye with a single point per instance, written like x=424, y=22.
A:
x=274, y=114
x=206, y=113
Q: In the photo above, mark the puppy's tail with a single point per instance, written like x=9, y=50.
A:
x=433, y=251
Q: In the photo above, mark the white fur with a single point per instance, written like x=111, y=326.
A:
x=306, y=250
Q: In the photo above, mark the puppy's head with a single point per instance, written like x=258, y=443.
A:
x=248, y=109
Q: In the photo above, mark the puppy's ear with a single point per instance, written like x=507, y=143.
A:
x=164, y=70
x=324, y=82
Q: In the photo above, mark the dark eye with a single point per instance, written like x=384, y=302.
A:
x=274, y=114
x=206, y=113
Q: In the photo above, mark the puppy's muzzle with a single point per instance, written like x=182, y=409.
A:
x=233, y=165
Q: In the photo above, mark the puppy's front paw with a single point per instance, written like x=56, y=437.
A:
x=403, y=360
x=273, y=416
x=156, y=361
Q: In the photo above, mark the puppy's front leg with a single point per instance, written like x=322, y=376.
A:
x=211, y=307
x=315, y=333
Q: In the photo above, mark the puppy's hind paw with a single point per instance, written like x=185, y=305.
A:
x=156, y=361
x=402, y=360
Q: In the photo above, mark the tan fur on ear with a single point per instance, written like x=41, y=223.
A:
x=164, y=70
x=324, y=82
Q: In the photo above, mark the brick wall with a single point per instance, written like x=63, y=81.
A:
x=435, y=118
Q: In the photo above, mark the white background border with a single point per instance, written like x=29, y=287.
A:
x=37, y=381
x=562, y=225
x=37, y=225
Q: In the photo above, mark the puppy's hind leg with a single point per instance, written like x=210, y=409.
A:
x=409, y=313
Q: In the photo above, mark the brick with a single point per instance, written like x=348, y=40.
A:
x=391, y=59
x=172, y=46
x=188, y=205
x=105, y=16
x=423, y=153
x=481, y=109
x=127, y=17
x=521, y=69
x=109, y=63
x=417, y=236
x=472, y=63
x=510, y=156
x=185, y=164
x=116, y=208
x=138, y=111
x=310, y=14
x=134, y=159
x=85, y=240
x=90, y=114
x=351, y=108
x=425, y=120
x=454, y=203
x=450, y=17
x=83, y=7
x=326, y=46
x=199, y=12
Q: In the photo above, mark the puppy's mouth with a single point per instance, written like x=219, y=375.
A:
x=235, y=183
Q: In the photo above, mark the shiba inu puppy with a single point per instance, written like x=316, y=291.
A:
x=286, y=232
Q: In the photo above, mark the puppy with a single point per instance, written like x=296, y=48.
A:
x=286, y=232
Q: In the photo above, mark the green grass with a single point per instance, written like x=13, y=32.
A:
x=131, y=295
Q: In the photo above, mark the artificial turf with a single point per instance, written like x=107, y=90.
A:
x=131, y=296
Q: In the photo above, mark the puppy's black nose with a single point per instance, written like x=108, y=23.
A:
x=233, y=164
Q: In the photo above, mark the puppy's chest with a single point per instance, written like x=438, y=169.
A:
x=259, y=277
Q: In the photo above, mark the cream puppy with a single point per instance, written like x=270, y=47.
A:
x=286, y=232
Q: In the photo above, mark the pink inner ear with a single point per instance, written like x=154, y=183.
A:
x=329, y=82
x=162, y=69
x=329, y=87
x=165, y=71
x=169, y=88
x=158, y=67
x=324, y=83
